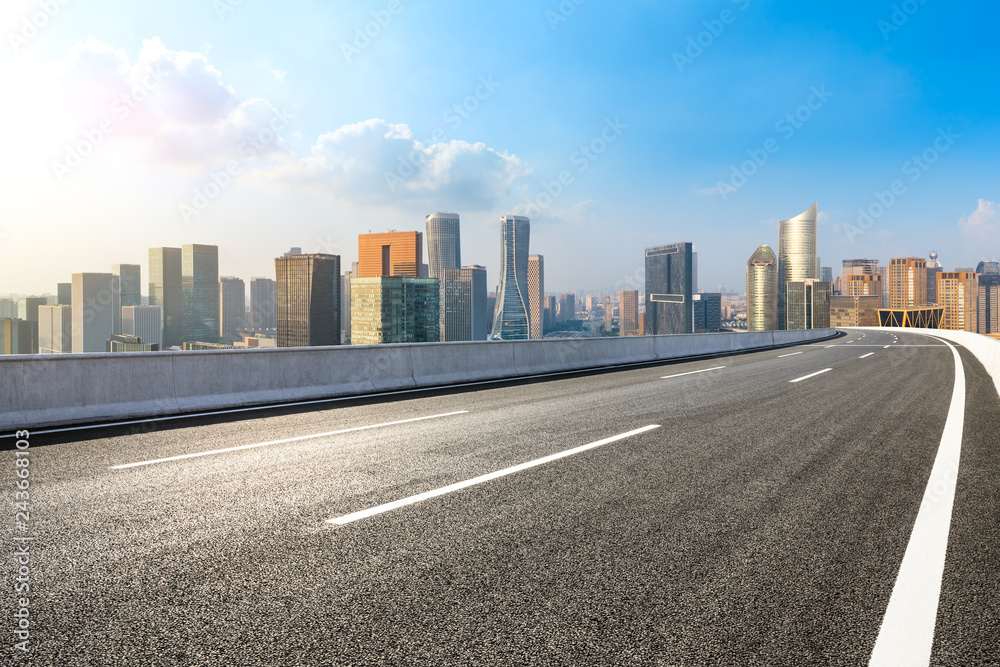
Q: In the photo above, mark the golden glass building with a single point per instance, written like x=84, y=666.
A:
x=796, y=254
x=957, y=292
x=855, y=310
x=628, y=307
x=762, y=290
x=862, y=284
x=536, y=296
x=907, y=282
x=391, y=254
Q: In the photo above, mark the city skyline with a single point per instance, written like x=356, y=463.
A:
x=315, y=169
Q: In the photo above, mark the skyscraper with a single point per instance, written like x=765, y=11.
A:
x=958, y=292
x=988, y=302
x=308, y=312
x=95, y=303
x=65, y=293
x=165, y=290
x=464, y=305
x=391, y=254
x=200, y=292
x=762, y=290
x=263, y=304
x=796, y=254
x=536, y=295
x=129, y=288
x=707, y=312
x=808, y=305
x=609, y=317
x=628, y=308
x=444, y=243
x=232, y=308
x=394, y=309
x=511, y=319
x=567, y=307
x=907, y=282
x=669, y=289
x=550, y=314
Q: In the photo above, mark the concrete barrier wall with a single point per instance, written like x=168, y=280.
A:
x=984, y=348
x=50, y=390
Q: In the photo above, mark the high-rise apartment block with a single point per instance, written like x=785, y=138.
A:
x=200, y=292
x=146, y=322
x=628, y=309
x=862, y=284
x=55, y=329
x=308, y=312
x=609, y=317
x=669, y=289
x=797, y=260
x=512, y=321
x=907, y=282
x=958, y=292
x=165, y=290
x=464, y=305
x=551, y=309
x=762, y=290
x=263, y=304
x=567, y=307
x=232, y=308
x=95, y=310
x=394, y=309
x=536, y=296
x=808, y=304
x=391, y=254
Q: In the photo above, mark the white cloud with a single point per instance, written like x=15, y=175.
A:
x=279, y=75
x=377, y=162
x=983, y=224
x=174, y=105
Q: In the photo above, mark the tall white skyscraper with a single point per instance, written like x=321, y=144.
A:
x=55, y=329
x=444, y=243
x=511, y=318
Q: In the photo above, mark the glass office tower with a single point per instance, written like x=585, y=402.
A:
x=165, y=291
x=796, y=254
x=511, y=318
x=200, y=292
x=669, y=289
x=308, y=300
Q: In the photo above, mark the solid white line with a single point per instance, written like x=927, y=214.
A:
x=864, y=356
x=907, y=633
x=363, y=514
x=279, y=442
x=812, y=375
x=828, y=347
x=704, y=370
x=788, y=355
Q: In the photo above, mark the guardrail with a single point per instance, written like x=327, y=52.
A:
x=49, y=390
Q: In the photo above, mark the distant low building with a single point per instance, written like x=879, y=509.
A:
x=928, y=317
x=127, y=343
x=855, y=311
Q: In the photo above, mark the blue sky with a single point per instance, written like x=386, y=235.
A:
x=672, y=100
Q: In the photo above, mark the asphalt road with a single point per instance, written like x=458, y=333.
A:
x=760, y=522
